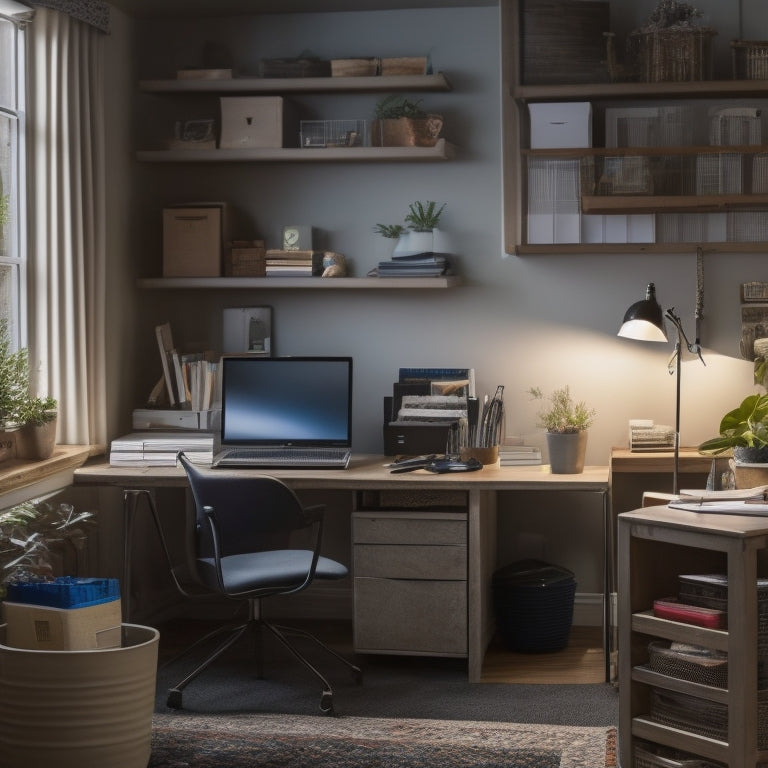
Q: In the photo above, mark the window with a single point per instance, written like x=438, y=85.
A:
x=12, y=240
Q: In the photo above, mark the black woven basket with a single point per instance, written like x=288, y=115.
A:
x=533, y=602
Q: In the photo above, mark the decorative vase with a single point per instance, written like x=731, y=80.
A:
x=36, y=441
x=566, y=452
x=412, y=243
x=79, y=709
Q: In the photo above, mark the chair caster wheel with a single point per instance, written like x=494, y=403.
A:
x=174, y=699
x=326, y=703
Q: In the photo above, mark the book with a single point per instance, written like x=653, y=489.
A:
x=165, y=345
x=147, y=449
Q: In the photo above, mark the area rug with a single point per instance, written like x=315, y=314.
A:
x=180, y=740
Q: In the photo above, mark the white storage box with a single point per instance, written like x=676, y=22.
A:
x=561, y=125
x=251, y=122
x=192, y=241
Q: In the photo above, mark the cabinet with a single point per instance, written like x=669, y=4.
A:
x=410, y=582
x=657, y=545
x=667, y=203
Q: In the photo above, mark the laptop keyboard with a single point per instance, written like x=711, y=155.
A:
x=293, y=457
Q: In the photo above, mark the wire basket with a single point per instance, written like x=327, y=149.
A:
x=673, y=55
x=333, y=133
x=749, y=59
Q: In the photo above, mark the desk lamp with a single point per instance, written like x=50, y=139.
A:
x=644, y=321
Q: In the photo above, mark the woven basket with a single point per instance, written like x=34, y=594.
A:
x=407, y=132
x=707, y=670
x=673, y=55
x=749, y=59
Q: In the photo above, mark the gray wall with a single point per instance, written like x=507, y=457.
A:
x=519, y=321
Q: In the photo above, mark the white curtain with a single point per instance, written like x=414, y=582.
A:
x=66, y=221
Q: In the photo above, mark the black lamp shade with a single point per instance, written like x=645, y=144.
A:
x=644, y=320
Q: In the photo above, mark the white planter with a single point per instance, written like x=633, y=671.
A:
x=79, y=709
x=412, y=243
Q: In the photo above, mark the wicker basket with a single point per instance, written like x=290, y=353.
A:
x=406, y=132
x=707, y=668
x=673, y=55
x=749, y=59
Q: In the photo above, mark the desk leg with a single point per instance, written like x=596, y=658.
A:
x=607, y=583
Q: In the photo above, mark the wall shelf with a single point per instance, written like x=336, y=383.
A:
x=301, y=283
x=609, y=204
x=436, y=82
x=441, y=151
x=575, y=249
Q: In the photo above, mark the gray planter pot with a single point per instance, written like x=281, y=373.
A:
x=566, y=452
x=745, y=455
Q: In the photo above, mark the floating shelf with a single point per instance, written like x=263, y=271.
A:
x=301, y=283
x=609, y=204
x=441, y=151
x=436, y=82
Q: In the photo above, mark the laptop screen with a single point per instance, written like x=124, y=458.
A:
x=303, y=401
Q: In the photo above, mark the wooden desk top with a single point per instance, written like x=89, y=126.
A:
x=365, y=472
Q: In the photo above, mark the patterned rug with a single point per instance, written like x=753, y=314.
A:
x=180, y=740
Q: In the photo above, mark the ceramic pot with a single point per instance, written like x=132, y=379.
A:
x=79, y=709
x=566, y=452
x=743, y=454
x=36, y=441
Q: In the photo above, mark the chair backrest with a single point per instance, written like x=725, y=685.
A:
x=250, y=510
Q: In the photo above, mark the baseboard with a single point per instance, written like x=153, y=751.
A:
x=588, y=609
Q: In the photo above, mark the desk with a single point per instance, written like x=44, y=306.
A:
x=368, y=473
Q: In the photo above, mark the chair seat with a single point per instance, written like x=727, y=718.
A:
x=278, y=569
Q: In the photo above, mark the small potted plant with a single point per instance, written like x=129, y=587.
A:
x=400, y=122
x=391, y=234
x=424, y=235
x=14, y=391
x=37, y=437
x=566, y=423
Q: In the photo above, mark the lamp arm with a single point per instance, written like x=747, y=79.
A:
x=681, y=337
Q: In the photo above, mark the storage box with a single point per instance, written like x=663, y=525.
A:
x=192, y=241
x=561, y=125
x=250, y=122
x=43, y=628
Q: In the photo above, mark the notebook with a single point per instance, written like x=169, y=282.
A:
x=285, y=412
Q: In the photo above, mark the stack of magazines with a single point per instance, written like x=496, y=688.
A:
x=415, y=265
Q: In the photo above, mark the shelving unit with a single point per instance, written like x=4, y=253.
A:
x=440, y=152
x=655, y=546
x=516, y=98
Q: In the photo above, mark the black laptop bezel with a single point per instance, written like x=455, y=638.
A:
x=228, y=360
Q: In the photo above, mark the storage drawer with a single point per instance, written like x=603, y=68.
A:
x=426, y=528
x=410, y=561
x=407, y=616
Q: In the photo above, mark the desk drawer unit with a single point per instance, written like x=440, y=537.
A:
x=410, y=582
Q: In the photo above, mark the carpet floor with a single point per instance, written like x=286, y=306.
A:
x=180, y=740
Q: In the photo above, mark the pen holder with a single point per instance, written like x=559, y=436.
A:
x=485, y=456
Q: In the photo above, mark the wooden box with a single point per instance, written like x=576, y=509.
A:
x=246, y=260
x=192, y=239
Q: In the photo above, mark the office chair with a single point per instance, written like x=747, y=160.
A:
x=232, y=552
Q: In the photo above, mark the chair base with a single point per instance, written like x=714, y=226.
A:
x=256, y=625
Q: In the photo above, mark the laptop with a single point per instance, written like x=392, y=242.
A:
x=284, y=412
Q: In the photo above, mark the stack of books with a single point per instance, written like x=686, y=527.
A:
x=159, y=449
x=417, y=265
x=516, y=455
x=293, y=263
x=644, y=435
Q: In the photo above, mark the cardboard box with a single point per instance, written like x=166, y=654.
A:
x=192, y=241
x=561, y=125
x=42, y=628
x=251, y=122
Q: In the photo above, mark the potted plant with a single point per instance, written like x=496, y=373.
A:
x=424, y=235
x=400, y=122
x=37, y=437
x=744, y=430
x=391, y=234
x=671, y=46
x=14, y=391
x=566, y=423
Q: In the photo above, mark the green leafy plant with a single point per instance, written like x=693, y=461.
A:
x=394, y=106
x=390, y=230
x=14, y=379
x=563, y=415
x=424, y=217
x=38, y=411
x=743, y=427
x=32, y=533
